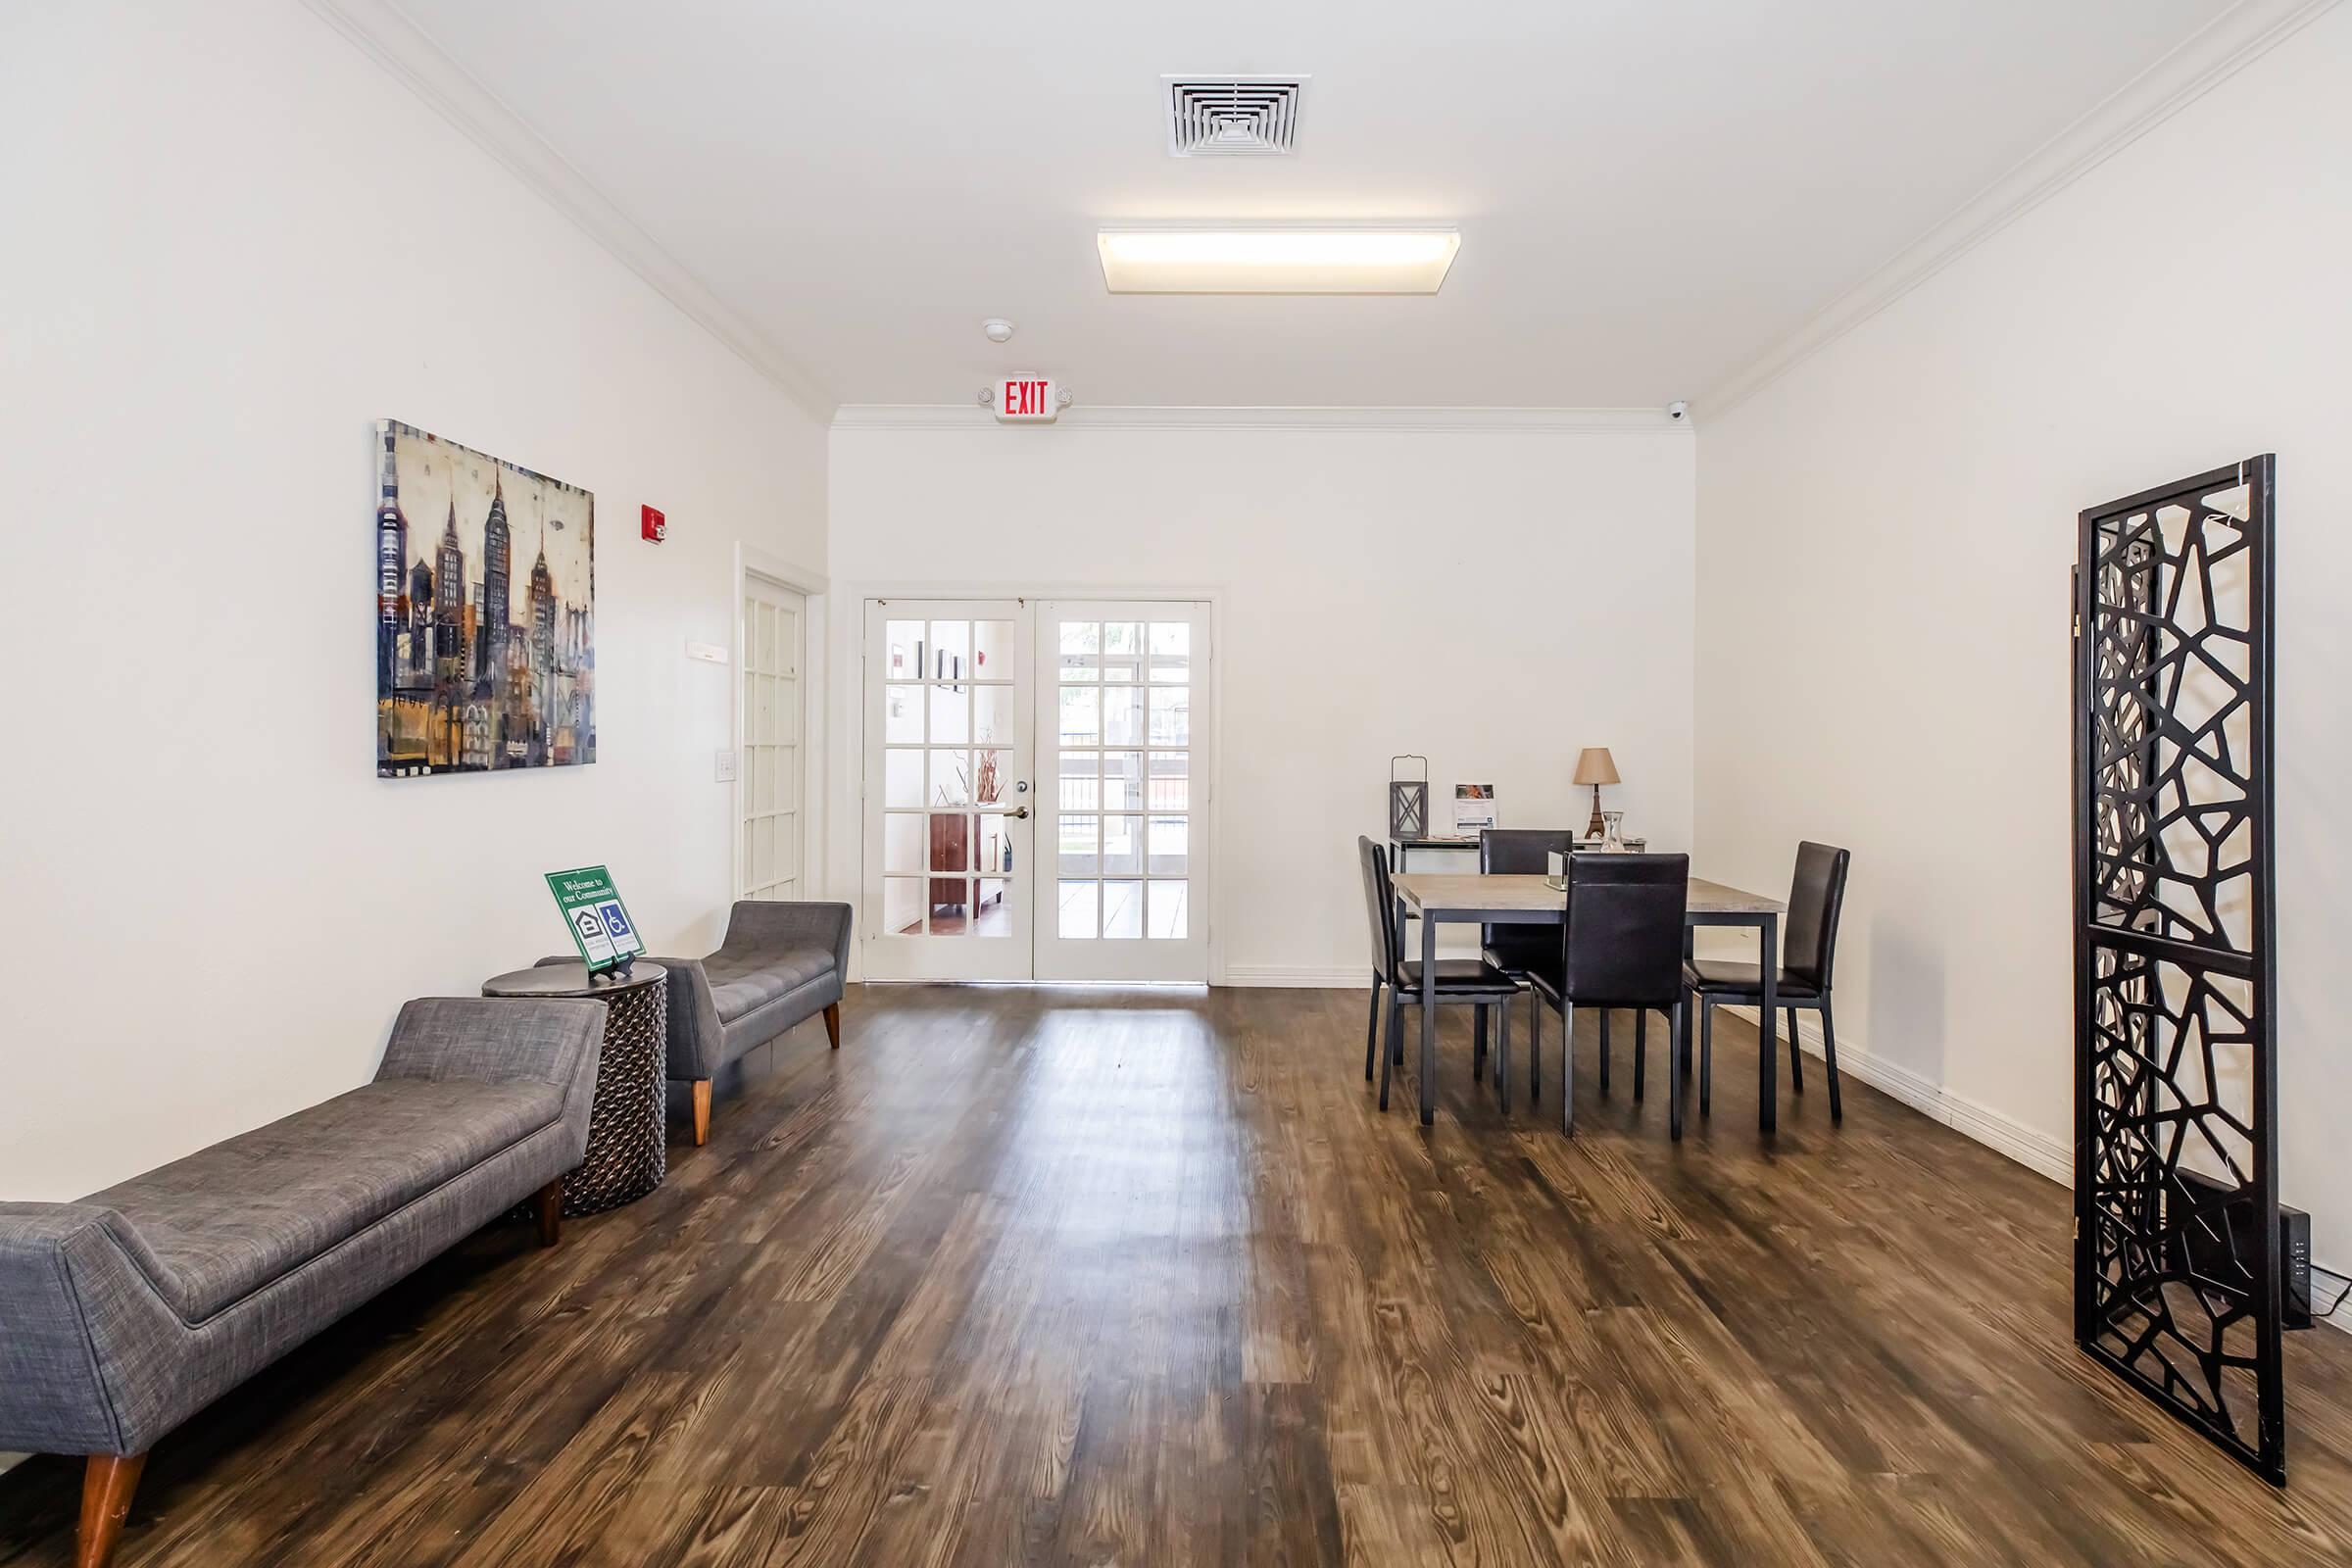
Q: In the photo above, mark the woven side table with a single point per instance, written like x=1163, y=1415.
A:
x=628, y=1146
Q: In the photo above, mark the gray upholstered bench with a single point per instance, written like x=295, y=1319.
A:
x=125, y=1313
x=779, y=963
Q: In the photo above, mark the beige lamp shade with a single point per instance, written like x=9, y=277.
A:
x=1594, y=766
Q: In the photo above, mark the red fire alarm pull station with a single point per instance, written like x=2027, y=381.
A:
x=657, y=528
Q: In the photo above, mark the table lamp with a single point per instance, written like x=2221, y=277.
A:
x=1593, y=767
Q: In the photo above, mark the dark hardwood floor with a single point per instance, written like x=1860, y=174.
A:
x=1145, y=1279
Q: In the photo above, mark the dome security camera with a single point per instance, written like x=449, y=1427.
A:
x=1678, y=411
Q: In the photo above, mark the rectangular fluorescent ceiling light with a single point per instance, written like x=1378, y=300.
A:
x=1276, y=261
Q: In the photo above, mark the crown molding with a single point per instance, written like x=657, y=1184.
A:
x=2204, y=61
x=381, y=30
x=1084, y=416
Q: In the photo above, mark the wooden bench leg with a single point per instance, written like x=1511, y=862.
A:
x=833, y=1023
x=701, y=1111
x=108, y=1481
x=547, y=1206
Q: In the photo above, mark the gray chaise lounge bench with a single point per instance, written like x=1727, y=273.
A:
x=125, y=1313
x=779, y=963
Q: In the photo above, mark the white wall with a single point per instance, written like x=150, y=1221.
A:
x=1885, y=537
x=234, y=242
x=1494, y=600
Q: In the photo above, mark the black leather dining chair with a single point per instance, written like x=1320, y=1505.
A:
x=1621, y=946
x=1517, y=949
x=1458, y=980
x=1808, y=955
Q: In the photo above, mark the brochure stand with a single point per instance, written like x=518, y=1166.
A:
x=601, y=927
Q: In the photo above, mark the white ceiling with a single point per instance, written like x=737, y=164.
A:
x=1650, y=194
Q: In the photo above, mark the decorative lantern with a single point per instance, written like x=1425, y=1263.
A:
x=1409, y=800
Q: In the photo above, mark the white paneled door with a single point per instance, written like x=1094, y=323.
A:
x=1122, y=753
x=767, y=785
x=949, y=804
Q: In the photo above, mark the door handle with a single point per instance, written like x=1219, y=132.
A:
x=1020, y=811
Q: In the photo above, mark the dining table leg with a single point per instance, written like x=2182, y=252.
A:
x=1567, y=1066
x=1677, y=1045
x=1397, y=1036
x=1768, y=962
x=1535, y=1048
x=1690, y=951
x=1503, y=1056
x=1429, y=1020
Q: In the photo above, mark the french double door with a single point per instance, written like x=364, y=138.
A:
x=1036, y=796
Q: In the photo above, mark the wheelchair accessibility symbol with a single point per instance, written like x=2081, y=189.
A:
x=617, y=930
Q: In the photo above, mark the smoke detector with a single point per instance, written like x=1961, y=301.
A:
x=1212, y=116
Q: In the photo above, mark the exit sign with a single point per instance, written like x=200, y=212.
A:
x=1026, y=398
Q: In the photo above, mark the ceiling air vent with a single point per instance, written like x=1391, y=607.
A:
x=1230, y=116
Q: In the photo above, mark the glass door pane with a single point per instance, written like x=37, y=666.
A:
x=1123, y=740
x=948, y=795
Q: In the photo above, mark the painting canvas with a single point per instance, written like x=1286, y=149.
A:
x=485, y=610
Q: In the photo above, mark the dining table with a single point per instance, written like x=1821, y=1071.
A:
x=1530, y=899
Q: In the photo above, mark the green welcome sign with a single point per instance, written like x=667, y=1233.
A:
x=601, y=927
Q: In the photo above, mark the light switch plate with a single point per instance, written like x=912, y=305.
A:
x=707, y=652
x=723, y=765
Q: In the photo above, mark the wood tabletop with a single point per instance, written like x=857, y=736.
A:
x=1518, y=892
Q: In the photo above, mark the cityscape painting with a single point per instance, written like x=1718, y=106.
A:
x=485, y=612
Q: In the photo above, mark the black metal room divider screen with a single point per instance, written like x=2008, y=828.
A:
x=2176, y=1254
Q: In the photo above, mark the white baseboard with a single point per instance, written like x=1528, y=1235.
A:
x=2030, y=1146
x=1358, y=978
